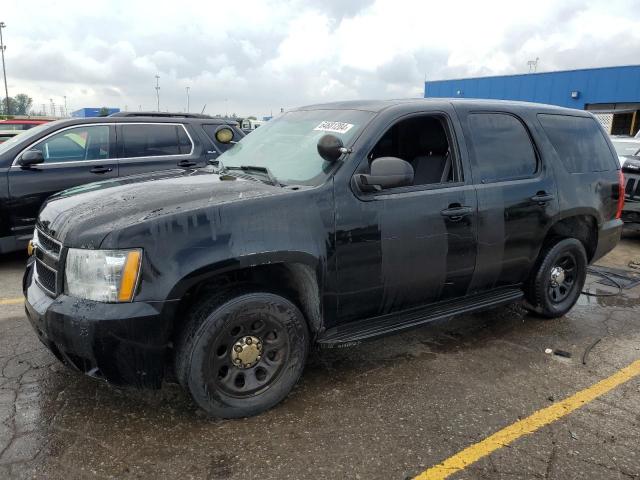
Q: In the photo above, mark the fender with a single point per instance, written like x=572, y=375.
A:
x=201, y=273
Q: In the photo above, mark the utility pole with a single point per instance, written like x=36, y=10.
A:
x=158, y=90
x=187, y=89
x=4, y=70
x=66, y=113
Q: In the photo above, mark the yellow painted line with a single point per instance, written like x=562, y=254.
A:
x=507, y=435
x=11, y=301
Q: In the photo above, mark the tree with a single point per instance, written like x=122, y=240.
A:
x=12, y=106
x=23, y=104
x=19, y=105
x=104, y=112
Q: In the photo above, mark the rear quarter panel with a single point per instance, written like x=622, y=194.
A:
x=590, y=193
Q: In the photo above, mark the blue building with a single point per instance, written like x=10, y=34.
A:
x=92, y=112
x=611, y=93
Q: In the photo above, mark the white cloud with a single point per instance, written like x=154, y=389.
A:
x=258, y=56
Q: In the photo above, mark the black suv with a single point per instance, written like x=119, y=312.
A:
x=328, y=226
x=628, y=150
x=66, y=153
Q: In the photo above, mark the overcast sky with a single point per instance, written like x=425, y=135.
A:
x=254, y=57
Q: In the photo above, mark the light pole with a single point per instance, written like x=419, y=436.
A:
x=4, y=70
x=158, y=90
x=187, y=89
x=66, y=114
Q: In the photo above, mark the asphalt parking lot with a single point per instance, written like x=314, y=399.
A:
x=392, y=408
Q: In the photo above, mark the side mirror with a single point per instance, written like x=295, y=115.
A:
x=31, y=157
x=330, y=148
x=386, y=172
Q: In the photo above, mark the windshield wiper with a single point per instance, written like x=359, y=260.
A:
x=255, y=169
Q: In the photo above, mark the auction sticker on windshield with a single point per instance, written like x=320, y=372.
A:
x=336, y=127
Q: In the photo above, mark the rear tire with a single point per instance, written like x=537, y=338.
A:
x=241, y=353
x=558, y=278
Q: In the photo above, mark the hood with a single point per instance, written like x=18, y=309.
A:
x=83, y=216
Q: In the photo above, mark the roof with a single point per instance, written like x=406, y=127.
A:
x=376, y=106
x=567, y=88
x=109, y=119
x=549, y=72
x=159, y=115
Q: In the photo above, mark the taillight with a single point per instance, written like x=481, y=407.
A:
x=620, y=194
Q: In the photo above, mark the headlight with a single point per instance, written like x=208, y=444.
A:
x=102, y=275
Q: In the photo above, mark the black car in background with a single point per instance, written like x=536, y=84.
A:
x=62, y=154
x=628, y=150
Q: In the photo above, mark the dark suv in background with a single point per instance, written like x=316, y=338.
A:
x=628, y=150
x=329, y=225
x=66, y=153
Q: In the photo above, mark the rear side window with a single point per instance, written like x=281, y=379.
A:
x=154, y=140
x=501, y=146
x=579, y=142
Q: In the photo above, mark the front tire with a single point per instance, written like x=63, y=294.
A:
x=557, y=281
x=241, y=354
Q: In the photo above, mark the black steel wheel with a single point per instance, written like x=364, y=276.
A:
x=241, y=353
x=562, y=277
x=249, y=354
x=557, y=279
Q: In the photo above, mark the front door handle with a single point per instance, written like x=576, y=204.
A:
x=186, y=163
x=455, y=213
x=101, y=169
x=541, y=198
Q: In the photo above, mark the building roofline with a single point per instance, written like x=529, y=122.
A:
x=528, y=74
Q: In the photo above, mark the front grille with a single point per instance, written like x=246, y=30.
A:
x=47, y=253
x=48, y=244
x=632, y=187
x=46, y=277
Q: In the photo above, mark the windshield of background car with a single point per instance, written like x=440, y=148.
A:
x=626, y=148
x=287, y=145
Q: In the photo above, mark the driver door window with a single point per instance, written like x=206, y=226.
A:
x=76, y=144
x=424, y=142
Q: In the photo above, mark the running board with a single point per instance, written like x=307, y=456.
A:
x=355, y=332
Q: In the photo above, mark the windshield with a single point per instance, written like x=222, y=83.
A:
x=626, y=148
x=26, y=135
x=287, y=146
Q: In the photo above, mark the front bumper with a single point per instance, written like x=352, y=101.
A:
x=631, y=209
x=122, y=343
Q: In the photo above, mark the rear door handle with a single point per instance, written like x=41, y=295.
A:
x=456, y=213
x=101, y=169
x=186, y=163
x=542, y=198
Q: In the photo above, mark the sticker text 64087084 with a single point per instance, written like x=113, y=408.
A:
x=336, y=127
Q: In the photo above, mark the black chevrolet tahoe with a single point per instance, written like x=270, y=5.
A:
x=57, y=155
x=328, y=226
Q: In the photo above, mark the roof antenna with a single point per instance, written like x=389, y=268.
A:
x=202, y=112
